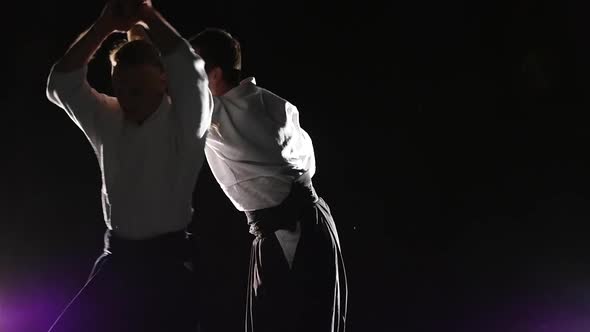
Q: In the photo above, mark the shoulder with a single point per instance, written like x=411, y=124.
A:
x=273, y=97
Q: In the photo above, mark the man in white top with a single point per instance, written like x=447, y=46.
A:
x=264, y=162
x=149, y=141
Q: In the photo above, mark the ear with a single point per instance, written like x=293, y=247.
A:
x=215, y=75
x=164, y=79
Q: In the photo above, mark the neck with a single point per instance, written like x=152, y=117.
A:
x=137, y=120
x=224, y=87
x=141, y=115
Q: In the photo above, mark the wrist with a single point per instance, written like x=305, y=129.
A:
x=148, y=15
x=102, y=29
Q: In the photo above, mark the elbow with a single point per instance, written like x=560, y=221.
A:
x=51, y=95
x=52, y=87
x=52, y=91
x=184, y=64
x=64, y=85
x=206, y=116
x=198, y=72
x=196, y=64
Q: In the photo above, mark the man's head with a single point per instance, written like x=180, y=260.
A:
x=223, y=58
x=138, y=77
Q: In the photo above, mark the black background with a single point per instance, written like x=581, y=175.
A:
x=451, y=140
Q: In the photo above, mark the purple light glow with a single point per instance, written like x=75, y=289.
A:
x=30, y=308
x=536, y=314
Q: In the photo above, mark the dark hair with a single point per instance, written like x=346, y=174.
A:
x=219, y=48
x=136, y=52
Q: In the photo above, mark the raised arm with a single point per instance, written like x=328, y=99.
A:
x=67, y=86
x=188, y=85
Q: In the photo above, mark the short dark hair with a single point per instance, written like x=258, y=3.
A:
x=219, y=48
x=136, y=52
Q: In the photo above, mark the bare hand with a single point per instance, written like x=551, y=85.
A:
x=145, y=9
x=138, y=31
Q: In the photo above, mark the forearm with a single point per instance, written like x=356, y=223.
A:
x=164, y=36
x=83, y=49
